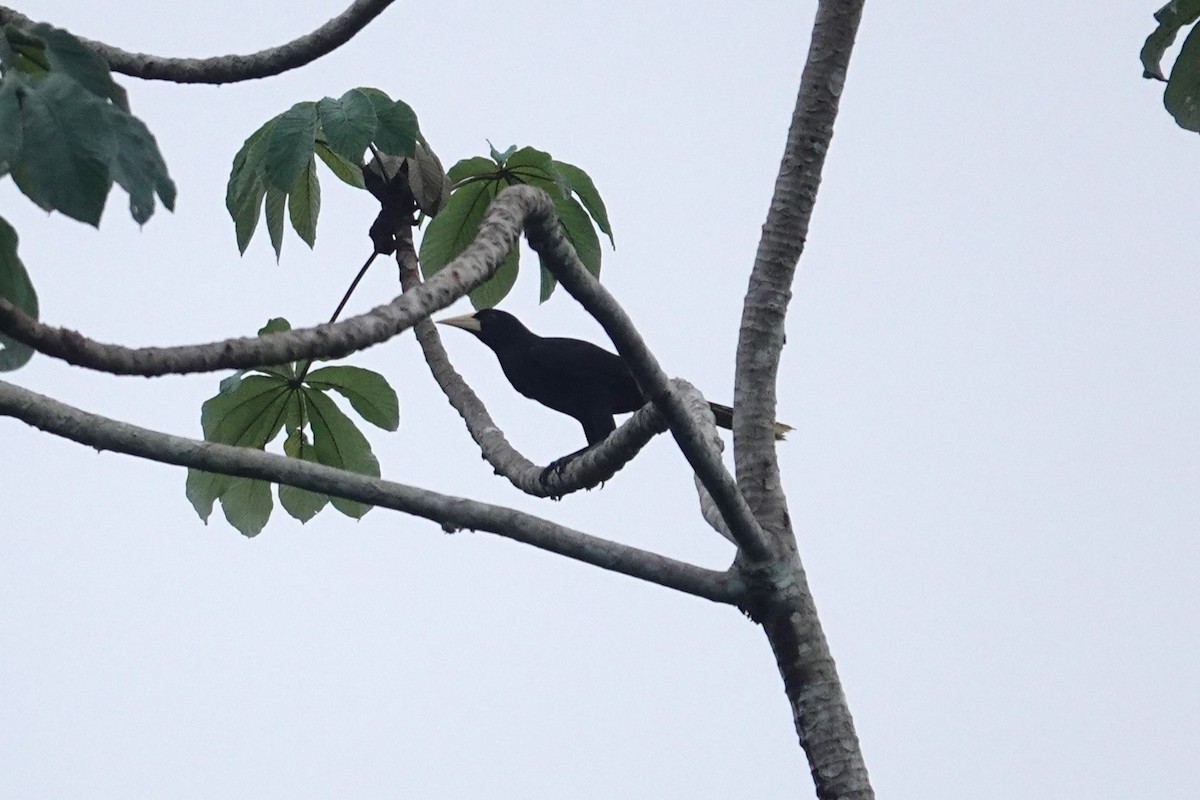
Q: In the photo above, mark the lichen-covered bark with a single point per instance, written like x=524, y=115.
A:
x=819, y=710
x=783, y=603
x=232, y=68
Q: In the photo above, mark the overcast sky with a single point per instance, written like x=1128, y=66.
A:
x=992, y=366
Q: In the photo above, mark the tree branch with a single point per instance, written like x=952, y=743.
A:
x=780, y=596
x=761, y=335
x=589, y=470
x=232, y=68
x=498, y=234
x=559, y=256
x=453, y=513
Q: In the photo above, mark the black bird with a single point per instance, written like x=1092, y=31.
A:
x=569, y=375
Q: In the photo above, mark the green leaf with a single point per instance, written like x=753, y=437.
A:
x=346, y=171
x=290, y=145
x=578, y=228
x=472, y=167
x=285, y=371
x=1171, y=17
x=275, y=202
x=245, y=190
x=368, y=392
x=397, y=131
x=338, y=443
x=10, y=124
x=500, y=158
x=532, y=158
x=139, y=167
x=249, y=416
x=67, y=55
x=232, y=382
x=1182, y=95
x=427, y=180
x=496, y=288
x=449, y=233
x=548, y=284
x=304, y=203
x=7, y=54
x=203, y=489
x=245, y=214
x=15, y=287
x=247, y=505
x=65, y=153
x=581, y=183
x=348, y=123
x=301, y=504
x=25, y=53
x=248, y=164
x=275, y=325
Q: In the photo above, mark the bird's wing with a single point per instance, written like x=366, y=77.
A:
x=574, y=361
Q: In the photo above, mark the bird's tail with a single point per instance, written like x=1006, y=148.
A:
x=724, y=418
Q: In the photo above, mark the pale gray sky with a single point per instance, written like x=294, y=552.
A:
x=992, y=367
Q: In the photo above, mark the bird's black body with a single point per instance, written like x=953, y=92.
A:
x=569, y=375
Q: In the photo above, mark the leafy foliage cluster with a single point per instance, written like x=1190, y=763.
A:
x=66, y=135
x=251, y=410
x=277, y=164
x=276, y=167
x=476, y=183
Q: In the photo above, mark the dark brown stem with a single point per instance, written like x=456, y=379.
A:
x=303, y=371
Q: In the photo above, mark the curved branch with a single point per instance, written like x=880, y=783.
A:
x=559, y=256
x=233, y=68
x=498, y=234
x=546, y=237
x=761, y=335
x=590, y=469
x=585, y=472
x=453, y=513
x=513, y=208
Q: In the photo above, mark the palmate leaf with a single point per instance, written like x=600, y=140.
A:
x=253, y=407
x=67, y=55
x=66, y=149
x=281, y=157
x=477, y=181
x=66, y=133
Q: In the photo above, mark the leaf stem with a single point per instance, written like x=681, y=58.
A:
x=303, y=371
